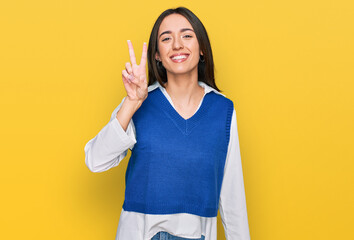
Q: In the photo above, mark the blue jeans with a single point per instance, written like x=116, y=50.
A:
x=167, y=236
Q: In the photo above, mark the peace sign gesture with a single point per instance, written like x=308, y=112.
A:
x=134, y=76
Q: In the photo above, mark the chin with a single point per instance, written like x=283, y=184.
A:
x=179, y=72
x=182, y=70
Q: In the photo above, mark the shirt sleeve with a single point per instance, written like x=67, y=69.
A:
x=110, y=145
x=232, y=204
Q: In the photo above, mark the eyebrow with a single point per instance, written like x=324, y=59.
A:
x=182, y=30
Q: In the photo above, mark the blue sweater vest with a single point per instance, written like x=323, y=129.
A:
x=177, y=165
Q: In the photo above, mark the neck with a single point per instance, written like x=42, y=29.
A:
x=184, y=88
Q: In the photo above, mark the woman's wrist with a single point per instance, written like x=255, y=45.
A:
x=126, y=112
x=132, y=105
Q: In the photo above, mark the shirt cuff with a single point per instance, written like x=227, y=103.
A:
x=128, y=137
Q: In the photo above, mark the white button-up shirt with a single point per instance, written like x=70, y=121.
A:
x=111, y=145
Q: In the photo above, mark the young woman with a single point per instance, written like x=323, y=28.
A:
x=185, y=163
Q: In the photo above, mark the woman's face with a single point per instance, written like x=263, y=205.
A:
x=178, y=45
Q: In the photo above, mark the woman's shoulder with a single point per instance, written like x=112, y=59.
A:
x=216, y=94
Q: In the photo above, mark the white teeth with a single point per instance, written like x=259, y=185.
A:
x=179, y=57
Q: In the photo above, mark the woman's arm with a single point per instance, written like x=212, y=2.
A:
x=111, y=144
x=232, y=205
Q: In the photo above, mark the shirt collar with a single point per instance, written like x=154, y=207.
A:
x=206, y=87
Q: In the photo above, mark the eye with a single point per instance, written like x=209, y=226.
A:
x=165, y=39
x=188, y=36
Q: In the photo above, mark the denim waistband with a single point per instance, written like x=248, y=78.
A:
x=167, y=236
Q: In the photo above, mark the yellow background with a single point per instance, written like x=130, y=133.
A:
x=287, y=65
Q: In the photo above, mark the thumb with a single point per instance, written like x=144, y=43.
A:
x=142, y=79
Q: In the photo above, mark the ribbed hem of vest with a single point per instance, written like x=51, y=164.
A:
x=170, y=209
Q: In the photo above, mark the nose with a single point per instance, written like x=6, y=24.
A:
x=177, y=43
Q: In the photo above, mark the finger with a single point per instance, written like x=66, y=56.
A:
x=127, y=76
x=130, y=77
x=128, y=67
x=131, y=52
x=144, y=55
x=134, y=80
x=127, y=84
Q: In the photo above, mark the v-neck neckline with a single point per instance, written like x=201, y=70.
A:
x=185, y=125
x=169, y=99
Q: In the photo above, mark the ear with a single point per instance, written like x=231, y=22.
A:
x=201, y=53
x=157, y=56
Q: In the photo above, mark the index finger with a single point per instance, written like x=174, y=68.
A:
x=131, y=52
x=144, y=55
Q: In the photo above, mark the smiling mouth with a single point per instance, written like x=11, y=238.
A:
x=179, y=58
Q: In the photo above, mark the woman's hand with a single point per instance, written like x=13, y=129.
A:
x=134, y=76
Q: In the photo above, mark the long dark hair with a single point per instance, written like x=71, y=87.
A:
x=205, y=68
